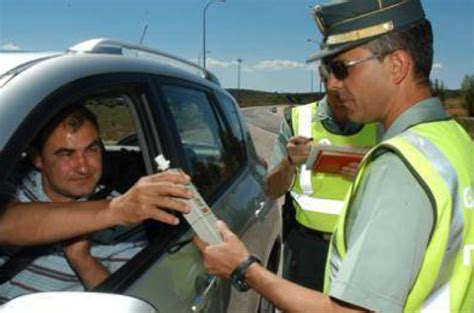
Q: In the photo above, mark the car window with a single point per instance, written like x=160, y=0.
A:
x=123, y=161
x=232, y=115
x=207, y=139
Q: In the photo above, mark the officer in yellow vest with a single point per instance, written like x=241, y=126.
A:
x=315, y=199
x=405, y=239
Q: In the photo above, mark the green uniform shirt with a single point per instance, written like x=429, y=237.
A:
x=388, y=227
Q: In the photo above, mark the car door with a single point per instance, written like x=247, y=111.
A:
x=160, y=264
x=198, y=136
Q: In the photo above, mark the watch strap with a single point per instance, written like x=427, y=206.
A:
x=238, y=274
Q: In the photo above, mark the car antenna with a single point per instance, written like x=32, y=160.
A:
x=145, y=28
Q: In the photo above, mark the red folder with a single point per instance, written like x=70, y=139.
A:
x=331, y=159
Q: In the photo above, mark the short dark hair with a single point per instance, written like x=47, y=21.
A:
x=416, y=39
x=74, y=117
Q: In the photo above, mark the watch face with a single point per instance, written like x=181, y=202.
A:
x=239, y=284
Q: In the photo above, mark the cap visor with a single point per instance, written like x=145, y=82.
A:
x=334, y=50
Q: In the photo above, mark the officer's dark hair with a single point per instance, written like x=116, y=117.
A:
x=417, y=40
x=74, y=117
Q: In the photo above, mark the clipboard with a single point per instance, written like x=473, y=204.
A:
x=331, y=159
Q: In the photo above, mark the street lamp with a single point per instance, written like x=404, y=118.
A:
x=310, y=40
x=204, y=30
x=200, y=56
x=239, y=63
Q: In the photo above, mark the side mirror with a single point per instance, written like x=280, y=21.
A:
x=76, y=302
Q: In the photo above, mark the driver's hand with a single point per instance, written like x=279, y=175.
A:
x=150, y=196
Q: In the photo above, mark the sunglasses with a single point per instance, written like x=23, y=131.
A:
x=340, y=69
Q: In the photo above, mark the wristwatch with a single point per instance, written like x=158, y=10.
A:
x=237, y=277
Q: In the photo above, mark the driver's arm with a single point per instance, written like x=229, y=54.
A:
x=41, y=223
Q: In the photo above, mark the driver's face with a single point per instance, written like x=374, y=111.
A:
x=70, y=162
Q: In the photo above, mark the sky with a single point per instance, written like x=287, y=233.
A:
x=273, y=38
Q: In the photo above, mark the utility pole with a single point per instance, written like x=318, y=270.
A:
x=239, y=63
x=312, y=68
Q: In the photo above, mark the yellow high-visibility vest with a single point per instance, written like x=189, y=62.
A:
x=318, y=197
x=441, y=155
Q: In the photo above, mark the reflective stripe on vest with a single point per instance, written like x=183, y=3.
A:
x=445, y=168
x=318, y=197
x=305, y=128
x=326, y=206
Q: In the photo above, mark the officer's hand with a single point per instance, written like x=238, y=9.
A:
x=298, y=148
x=223, y=258
x=350, y=170
x=150, y=195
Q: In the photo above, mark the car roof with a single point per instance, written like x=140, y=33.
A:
x=30, y=77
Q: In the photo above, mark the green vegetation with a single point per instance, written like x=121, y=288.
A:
x=467, y=93
x=114, y=121
x=439, y=89
x=468, y=124
x=249, y=98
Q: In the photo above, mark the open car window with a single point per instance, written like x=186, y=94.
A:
x=123, y=163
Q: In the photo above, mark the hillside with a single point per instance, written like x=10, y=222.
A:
x=248, y=98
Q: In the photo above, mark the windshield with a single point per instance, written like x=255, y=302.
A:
x=13, y=63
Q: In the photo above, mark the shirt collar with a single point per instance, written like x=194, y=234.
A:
x=427, y=110
x=325, y=115
x=323, y=111
x=34, y=183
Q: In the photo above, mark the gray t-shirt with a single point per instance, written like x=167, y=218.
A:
x=388, y=227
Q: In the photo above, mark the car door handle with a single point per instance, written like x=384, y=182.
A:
x=259, y=209
x=203, y=288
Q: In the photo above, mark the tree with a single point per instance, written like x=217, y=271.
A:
x=439, y=89
x=467, y=92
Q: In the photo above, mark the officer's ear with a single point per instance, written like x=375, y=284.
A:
x=401, y=65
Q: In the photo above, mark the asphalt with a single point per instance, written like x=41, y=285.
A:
x=264, y=126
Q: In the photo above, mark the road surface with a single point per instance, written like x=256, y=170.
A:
x=264, y=125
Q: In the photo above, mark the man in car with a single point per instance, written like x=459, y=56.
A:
x=400, y=243
x=67, y=166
